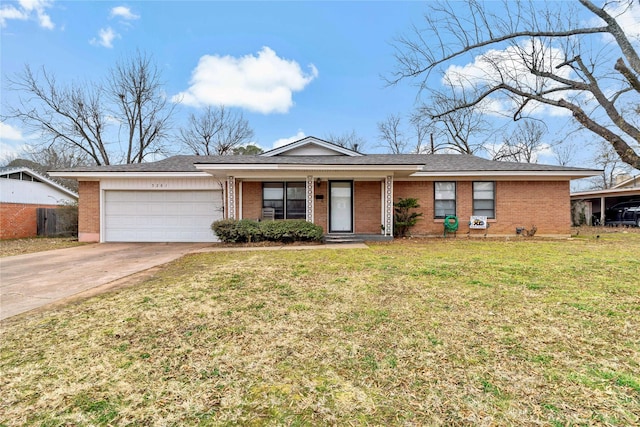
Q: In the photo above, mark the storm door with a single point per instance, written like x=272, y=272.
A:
x=340, y=206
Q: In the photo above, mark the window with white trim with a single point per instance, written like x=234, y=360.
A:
x=484, y=198
x=288, y=199
x=444, y=199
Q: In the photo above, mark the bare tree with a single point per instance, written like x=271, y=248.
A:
x=421, y=131
x=523, y=144
x=350, y=140
x=611, y=166
x=76, y=117
x=217, y=131
x=140, y=105
x=70, y=117
x=59, y=157
x=391, y=135
x=564, y=152
x=529, y=56
x=461, y=130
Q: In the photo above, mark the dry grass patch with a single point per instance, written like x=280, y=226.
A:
x=35, y=244
x=421, y=333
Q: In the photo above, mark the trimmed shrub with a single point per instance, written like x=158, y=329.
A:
x=233, y=231
x=285, y=231
x=291, y=230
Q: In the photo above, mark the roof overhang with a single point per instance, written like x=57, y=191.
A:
x=274, y=170
x=633, y=191
x=99, y=175
x=520, y=175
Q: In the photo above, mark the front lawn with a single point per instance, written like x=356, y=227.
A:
x=433, y=332
x=36, y=244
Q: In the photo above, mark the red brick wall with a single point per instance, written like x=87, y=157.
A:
x=367, y=206
x=19, y=220
x=321, y=207
x=423, y=191
x=89, y=211
x=544, y=204
x=251, y=200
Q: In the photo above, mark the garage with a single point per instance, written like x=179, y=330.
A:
x=161, y=216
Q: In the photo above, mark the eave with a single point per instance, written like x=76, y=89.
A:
x=99, y=175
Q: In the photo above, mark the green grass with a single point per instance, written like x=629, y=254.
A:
x=426, y=332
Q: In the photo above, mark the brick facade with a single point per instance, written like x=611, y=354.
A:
x=89, y=211
x=544, y=204
x=19, y=220
x=367, y=202
x=251, y=200
x=321, y=206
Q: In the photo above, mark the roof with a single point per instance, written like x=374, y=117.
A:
x=425, y=162
x=40, y=176
x=313, y=154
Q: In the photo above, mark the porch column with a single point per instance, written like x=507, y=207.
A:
x=388, y=206
x=603, y=201
x=310, y=198
x=231, y=197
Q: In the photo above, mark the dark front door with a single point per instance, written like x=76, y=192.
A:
x=340, y=206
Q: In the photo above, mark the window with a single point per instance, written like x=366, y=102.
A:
x=484, y=199
x=293, y=206
x=445, y=199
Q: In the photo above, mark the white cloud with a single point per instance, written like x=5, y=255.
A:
x=627, y=13
x=10, y=12
x=124, y=13
x=264, y=83
x=27, y=9
x=284, y=141
x=495, y=66
x=105, y=38
x=9, y=132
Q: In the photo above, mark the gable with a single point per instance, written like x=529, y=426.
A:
x=23, y=185
x=311, y=146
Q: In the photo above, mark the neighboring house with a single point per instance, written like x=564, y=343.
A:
x=343, y=191
x=22, y=191
x=594, y=203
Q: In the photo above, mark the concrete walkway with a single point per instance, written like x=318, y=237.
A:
x=36, y=280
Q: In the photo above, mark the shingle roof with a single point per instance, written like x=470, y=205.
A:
x=430, y=163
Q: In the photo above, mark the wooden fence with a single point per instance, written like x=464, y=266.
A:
x=62, y=221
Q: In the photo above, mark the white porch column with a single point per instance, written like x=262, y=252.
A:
x=603, y=201
x=388, y=206
x=231, y=197
x=310, y=198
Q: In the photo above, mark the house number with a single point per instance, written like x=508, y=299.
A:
x=159, y=185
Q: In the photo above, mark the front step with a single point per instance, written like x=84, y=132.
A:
x=342, y=238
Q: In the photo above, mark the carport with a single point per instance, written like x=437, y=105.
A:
x=596, y=202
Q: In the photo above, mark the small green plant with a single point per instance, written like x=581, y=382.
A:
x=405, y=217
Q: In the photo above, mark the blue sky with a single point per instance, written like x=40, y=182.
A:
x=294, y=68
x=334, y=54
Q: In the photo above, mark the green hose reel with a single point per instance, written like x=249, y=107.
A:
x=450, y=224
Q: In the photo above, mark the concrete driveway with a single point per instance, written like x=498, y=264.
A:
x=34, y=280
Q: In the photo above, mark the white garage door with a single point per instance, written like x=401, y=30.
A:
x=161, y=216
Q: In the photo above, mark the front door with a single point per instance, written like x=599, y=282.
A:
x=340, y=207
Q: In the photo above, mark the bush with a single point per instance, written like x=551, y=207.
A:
x=405, y=218
x=285, y=231
x=292, y=230
x=226, y=230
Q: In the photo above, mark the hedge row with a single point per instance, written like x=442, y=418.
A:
x=248, y=230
